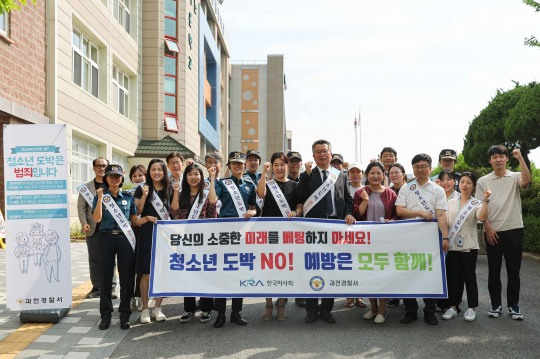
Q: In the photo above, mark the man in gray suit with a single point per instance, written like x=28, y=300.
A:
x=91, y=229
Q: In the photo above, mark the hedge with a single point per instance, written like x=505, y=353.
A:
x=532, y=234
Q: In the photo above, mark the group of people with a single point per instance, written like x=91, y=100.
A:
x=167, y=190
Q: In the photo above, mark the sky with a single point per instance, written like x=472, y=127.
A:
x=418, y=71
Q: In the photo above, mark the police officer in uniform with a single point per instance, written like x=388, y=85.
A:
x=447, y=161
x=236, y=165
x=294, y=165
x=114, y=243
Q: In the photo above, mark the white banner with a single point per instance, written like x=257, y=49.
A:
x=38, y=261
x=300, y=257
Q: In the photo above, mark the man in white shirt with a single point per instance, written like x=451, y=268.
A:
x=504, y=227
x=409, y=205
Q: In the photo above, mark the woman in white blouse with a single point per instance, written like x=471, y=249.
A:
x=461, y=258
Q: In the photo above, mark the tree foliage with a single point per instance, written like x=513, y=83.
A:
x=488, y=128
x=523, y=123
x=9, y=5
x=531, y=40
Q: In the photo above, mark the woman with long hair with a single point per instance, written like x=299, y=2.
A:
x=375, y=202
x=197, y=200
x=157, y=189
x=447, y=180
x=280, y=183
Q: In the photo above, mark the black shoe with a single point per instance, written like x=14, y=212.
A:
x=104, y=324
x=125, y=325
x=408, y=318
x=392, y=303
x=220, y=321
x=430, y=318
x=237, y=318
x=327, y=317
x=301, y=302
x=114, y=295
x=94, y=293
x=311, y=317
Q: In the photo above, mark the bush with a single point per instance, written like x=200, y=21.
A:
x=532, y=228
x=75, y=232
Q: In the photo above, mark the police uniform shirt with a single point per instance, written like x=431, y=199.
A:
x=254, y=177
x=292, y=179
x=246, y=189
x=125, y=202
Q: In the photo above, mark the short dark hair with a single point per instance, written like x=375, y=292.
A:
x=470, y=175
x=374, y=164
x=214, y=155
x=450, y=174
x=498, y=150
x=99, y=158
x=136, y=168
x=281, y=155
x=173, y=155
x=389, y=149
x=321, y=142
x=421, y=157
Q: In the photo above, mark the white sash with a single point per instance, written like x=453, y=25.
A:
x=197, y=207
x=86, y=194
x=120, y=219
x=321, y=191
x=461, y=218
x=259, y=200
x=159, y=207
x=279, y=197
x=419, y=197
x=236, y=197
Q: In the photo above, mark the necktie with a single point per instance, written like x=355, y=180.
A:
x=328, y=197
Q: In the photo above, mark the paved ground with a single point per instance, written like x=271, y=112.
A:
x=77, y=335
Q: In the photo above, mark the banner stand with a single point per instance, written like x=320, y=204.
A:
x=43, y=315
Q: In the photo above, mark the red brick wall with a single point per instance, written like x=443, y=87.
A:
x=22, y=58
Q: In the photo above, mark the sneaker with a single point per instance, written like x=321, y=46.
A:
x=379, y=319
x=205, y=317
x=515, y=313
x=495, y=312
x=369, y=315
x=158, y=314
x=186, y=317
x=469, y=315
x=145, y=316
x=139, y=304
x=450, y=314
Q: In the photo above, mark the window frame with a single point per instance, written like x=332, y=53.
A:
x=172, y=118
x=86, y=59
x=119, y=10
x=120, y=87
x=82, y=159
x=5, y=31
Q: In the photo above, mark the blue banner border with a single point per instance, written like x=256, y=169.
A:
x=153, y=294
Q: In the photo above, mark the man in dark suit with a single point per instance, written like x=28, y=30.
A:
x=336, y=204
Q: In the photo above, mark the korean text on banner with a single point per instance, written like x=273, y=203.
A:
x=277, y=257
x=35, y=173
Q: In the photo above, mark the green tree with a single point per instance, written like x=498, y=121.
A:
x=531, y=40
x=487, y=129
x=523, y=122
x=462, y=166
x=9, y=5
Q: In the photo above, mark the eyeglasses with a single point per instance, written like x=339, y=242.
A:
x=175, y=163
x=100, y=166
x=420, y=168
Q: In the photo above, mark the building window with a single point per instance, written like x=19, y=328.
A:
x=118, y=159
x=171, y=124
x=170, y=59
x=120, y=9
x=85, y=63
x=4, y=24
x=120, y=83
x=82, y=156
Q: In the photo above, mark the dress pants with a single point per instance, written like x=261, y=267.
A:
x=111, y=246
x=509, y=245
x=94, y=254
x=221, y=303
x=411, y=305
x=461, y=271
x=207, y=304
x=312, y=305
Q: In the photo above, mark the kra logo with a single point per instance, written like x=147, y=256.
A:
x=251, y=282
